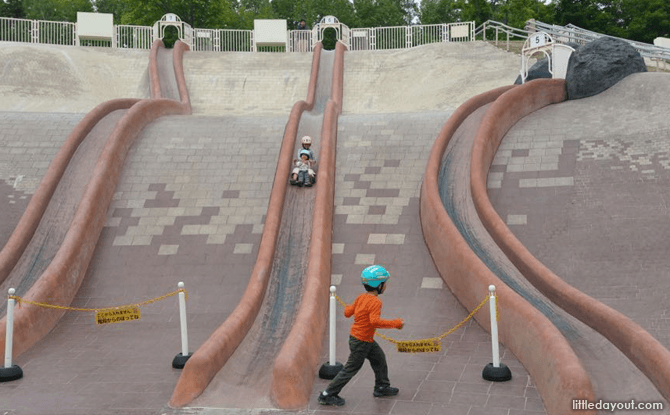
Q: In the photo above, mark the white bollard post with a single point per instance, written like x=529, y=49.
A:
x=180, y=360
x=182, y=320
x=495, y=371
x=494, y=326
x=333, y=315
x=329, y=370
x=10, y=371
x=9, y=330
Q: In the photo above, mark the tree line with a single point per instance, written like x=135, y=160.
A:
x=641, y=20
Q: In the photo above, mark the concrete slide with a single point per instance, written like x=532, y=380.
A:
x=48, y=253
x=266, y=352
x=647, y=354
x=591, y=361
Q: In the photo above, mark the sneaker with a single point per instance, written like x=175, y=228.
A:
x=293, y=182
x=385, y=391
x=333, y=400
x=308, y=183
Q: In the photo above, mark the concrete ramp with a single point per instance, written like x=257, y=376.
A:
x=246, y=84
x=428, y=78
x=50, y=78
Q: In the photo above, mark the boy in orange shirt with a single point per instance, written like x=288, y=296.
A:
x=366, y=311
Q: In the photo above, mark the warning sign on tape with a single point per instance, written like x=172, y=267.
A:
x=419, y=346
x=117, y=315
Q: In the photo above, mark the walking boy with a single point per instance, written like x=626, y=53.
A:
x=366, y=310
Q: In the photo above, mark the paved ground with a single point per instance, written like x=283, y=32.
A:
x=380, y=162
x=185, y=208
x=588, y=195
x=190, y=208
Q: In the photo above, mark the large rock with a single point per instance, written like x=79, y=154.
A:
x=600, y=64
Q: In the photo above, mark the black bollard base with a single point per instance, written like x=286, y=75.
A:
x=180, y=360
x=497, y=374
x=329, y=371
x=8, y=374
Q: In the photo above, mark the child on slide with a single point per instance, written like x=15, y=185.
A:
x=306, y=144
x=304, y=171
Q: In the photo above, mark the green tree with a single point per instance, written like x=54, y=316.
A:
x=55, y=10
x=645, y=20
x=577, y=12
x=115, y=7
x=379, y=13
x=478, y=11
x=439, y=11
x=197, y=13
x=12, y=9
x=515, y=13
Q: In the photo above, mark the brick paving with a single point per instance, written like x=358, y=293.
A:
x=182, y=209
x=381, y=159
x=180, y=213
x=190, y=206
x=588, y=196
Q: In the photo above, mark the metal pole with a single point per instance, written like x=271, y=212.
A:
x=9, y=331
x=182, y=319
x=494, y=326
x=333, y=310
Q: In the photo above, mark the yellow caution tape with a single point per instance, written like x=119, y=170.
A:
x=20, y=301
x=431, y=344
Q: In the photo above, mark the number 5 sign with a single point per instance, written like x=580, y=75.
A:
x=538, y=39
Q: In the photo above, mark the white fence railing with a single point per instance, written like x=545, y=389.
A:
x=231, y=40
x=133, y=37
x=37, y=31
x=403, y=37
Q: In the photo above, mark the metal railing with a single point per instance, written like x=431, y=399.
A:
x=223, y=40
x=16, y=30
x=492, y=30
x=574, y=34
x=496, y=31
x=299, y=41
x=233, y=40
x=133, y=37
x=378, y=38
x=37, y=31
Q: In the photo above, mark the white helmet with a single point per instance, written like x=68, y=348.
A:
x=306, y=140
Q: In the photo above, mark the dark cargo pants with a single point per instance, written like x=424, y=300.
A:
x=359, y=351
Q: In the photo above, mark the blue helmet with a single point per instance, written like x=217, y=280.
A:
x=374, y=275
x=304, y=152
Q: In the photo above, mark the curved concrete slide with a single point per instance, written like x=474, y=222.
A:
x=530, y=335
x=647, y=353
x=47, y=255
x=280, y=265
x=613, y=376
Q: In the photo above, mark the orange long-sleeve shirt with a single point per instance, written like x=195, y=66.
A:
x=366, y=311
